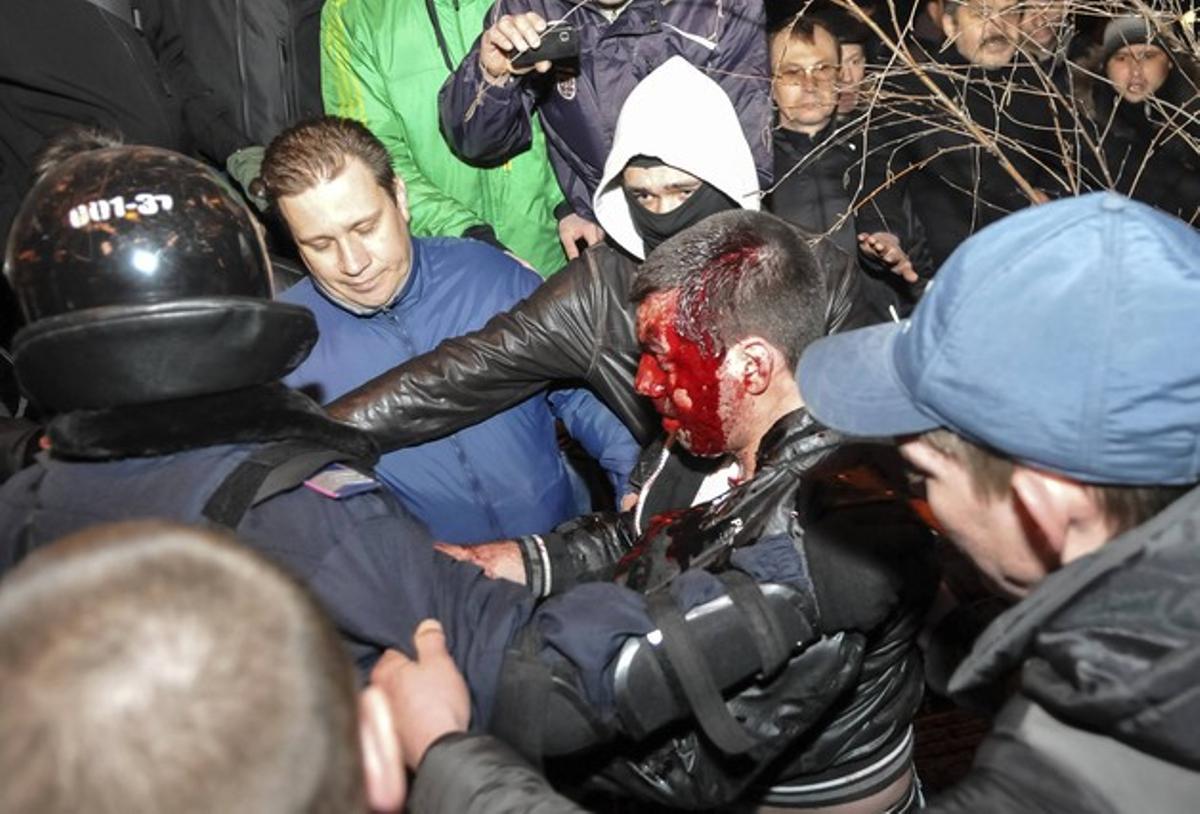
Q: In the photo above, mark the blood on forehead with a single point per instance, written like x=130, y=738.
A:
x=691, y=396
x=710, y=291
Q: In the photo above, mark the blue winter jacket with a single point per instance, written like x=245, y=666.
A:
x=369, y=562
x=500, y=478
x=486, y=124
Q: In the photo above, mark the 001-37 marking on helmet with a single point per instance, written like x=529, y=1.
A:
x=144, y=203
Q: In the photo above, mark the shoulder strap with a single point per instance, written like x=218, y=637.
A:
x=695, y=677
x=764, y=629
x=271, y=470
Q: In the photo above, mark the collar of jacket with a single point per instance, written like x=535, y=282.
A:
x=801, y=144
x=1007, y=640
x=269, y=412
x=634, y=18
x=795, y=439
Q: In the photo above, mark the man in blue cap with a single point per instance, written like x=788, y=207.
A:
x=1045, y=392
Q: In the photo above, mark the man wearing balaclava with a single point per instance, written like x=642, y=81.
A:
x=678, y=156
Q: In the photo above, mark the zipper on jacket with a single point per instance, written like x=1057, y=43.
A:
x=285, y=71
x=483, y=498
x=645, y=491
x=436, y=22
x=240, y=53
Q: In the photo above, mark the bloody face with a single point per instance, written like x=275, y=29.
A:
x=683, y=379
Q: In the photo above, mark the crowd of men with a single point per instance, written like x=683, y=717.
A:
x=578, y=411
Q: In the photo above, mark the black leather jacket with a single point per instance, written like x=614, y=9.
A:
x=1103, y=655
x=866, y=560
x=478, y=774
x=577, y=326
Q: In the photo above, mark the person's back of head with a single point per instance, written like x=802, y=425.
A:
x=148, y=667
x=143, y=278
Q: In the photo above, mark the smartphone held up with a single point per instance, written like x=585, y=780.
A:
x=558, y=43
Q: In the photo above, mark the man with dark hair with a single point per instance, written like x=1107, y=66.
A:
x=1036, y=393
x=381, y=296
x=723, y=311
x=819, y=151
x=981, y=146
x=813, y=155
x=782, y=302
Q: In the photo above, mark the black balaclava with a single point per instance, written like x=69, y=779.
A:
x=654, y=228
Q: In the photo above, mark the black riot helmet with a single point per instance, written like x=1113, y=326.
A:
x=142, y=278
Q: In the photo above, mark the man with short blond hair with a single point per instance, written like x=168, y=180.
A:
x=149, y=666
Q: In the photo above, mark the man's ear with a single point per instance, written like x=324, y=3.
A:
x=282, y=206
x=402, y=198
x=1064, y=514
x=383, y=765
x=759, y=364
x=949, y=24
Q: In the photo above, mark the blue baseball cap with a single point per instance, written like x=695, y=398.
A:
x=1066, y=336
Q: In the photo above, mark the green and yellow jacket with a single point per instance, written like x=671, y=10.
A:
x=383, y=62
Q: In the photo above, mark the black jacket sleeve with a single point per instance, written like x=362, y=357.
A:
x=477, y=774
x=573, y=327
x=585, y=549
x=855, y=300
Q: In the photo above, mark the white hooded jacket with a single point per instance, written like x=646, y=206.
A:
x=681, y=117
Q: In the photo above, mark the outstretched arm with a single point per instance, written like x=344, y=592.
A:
x=554, y=335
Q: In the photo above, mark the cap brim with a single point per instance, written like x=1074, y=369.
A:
x=850, y=384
